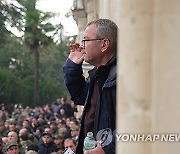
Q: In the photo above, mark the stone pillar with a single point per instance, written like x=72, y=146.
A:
x=166, y=73
x=149, y=74
x=134, y=73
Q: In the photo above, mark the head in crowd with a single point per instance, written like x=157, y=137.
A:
x=47, y=138
x=12, y=136
x=23, y=134
x=60, y=149
x=62, y=132
x=74, y=131
x=4, y=140
x=58, y=140
x=12, y=147
x=33, y=147
x=70, y=143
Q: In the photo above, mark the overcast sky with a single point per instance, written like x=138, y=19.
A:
x=61, y=7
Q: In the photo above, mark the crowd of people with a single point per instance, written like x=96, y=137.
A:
x=51, y=128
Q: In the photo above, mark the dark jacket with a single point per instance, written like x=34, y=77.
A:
x=46, y=149
x=81, y=91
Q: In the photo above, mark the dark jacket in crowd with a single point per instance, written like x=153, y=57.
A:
x=81, y=91
x=46, y=149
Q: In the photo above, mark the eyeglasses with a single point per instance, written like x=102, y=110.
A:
x=84, y=41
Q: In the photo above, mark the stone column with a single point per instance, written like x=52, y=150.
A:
x=166, y=73
x=134, y=73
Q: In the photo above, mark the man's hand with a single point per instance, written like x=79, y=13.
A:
x=97, y=150
x=76, y=54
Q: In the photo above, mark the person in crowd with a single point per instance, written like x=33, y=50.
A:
x=60, y=150
x=63, y=132
x=34, y=124
x=62, y=114
x=74, y=132
x=97, y=92
x=4, y=140
x=53, y=128
x=12, y=136
x=47, y=145
x=58, y=140
x=33, y=148
x=24, y=140
x=26, y=124
x=70, y=143
x=12, y=126
x=3, y=131
x=48, y=112
x=31, y=152
x=12, y=147
x=47, y=129
x=62, y=124
x=38, y=133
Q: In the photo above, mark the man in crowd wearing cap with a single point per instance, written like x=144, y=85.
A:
x=46, y=146
x=12, y=147
x=58, y=140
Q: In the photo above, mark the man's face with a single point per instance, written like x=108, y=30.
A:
x=12, y=127
x=25, y=124
x=12, y=136
x=70, y=144
x=74, y=133
x=58, y=141
x=13, y=150
x=46, y=139
x=92, y=49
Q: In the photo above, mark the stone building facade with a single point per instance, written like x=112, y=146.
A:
x=148, y=68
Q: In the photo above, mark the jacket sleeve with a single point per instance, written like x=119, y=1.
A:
x=75, y=81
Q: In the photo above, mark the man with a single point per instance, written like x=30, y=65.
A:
x=12, y=136
x=58, y=140
x=46, y=146
x=70, y=143
x=12, y=147
x=3, y=131
x=98, y=92
x=74, y=132
x=53, y=128
x=24, y=140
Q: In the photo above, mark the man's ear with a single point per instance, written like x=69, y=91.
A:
x=105, y=45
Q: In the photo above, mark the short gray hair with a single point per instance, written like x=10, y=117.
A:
x=106, y=28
